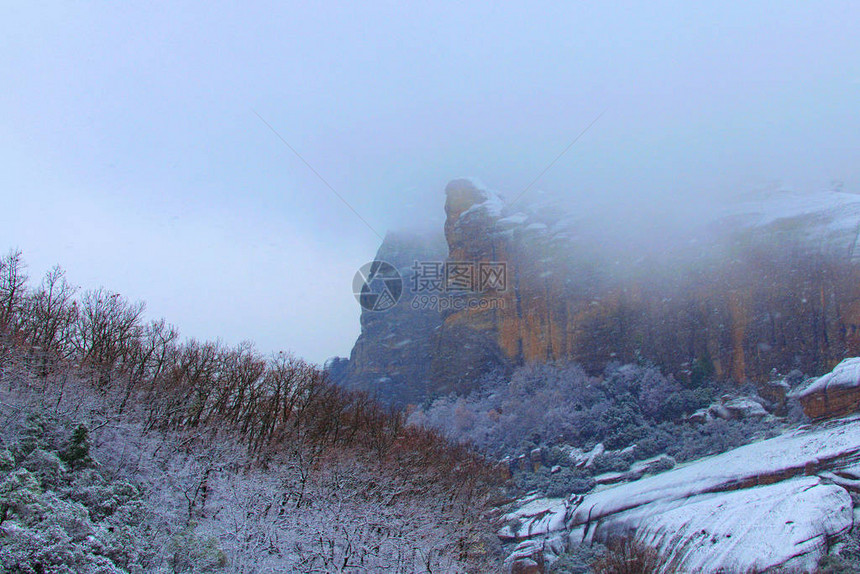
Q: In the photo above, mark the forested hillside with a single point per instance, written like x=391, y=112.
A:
x=125, y=448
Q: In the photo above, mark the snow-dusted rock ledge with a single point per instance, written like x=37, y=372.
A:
x=771, y=503
x=835, y=394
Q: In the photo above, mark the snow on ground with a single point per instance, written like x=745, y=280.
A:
x=536, y=516
x=770, y=503
x=786, y=523
x=798, y=452
x=826, y=215
x=754, y=507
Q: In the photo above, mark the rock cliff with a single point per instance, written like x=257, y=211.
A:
x=390, y=357
x=771, y=284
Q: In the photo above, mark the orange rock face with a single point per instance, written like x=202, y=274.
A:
x=740, y=318
x=836, y=403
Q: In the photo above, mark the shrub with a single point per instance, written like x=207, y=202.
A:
x=628, y=556
x=569, y=481
x=578, y=559
x=612, y=462
x=77, y=453
x=561, y=484
x=191, y=553
x=557, y=403
x=7, y=462
x=844, y=557
x=661, y=465
x=46, y=466
x=834, y=564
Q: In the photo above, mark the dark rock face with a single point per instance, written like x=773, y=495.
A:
x=755, y=294
x=391, y=358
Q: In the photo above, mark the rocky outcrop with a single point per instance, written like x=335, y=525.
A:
x=528, y=558
x=778, y=502
x=764, y=287
x=390, y=358
x=835, y=394
x=527, y=318
x=736, y=408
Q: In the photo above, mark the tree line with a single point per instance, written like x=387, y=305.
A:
x=273, y=405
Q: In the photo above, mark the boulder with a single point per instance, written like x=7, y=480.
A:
x=729, y=408
x=701, y=416
x=744, y=408
x=719, y=411
x=835, y=394
x=585, y=460
x=776, y=393
x=527, y=558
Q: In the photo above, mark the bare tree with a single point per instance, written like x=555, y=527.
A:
x=49, y=317
x=13, y=282
x=106, y=330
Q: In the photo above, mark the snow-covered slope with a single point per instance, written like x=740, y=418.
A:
x=774, y=502
x=825, y=218
x=839, y=209
x=787, y=524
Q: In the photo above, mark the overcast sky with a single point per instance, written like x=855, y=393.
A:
x=132, y=155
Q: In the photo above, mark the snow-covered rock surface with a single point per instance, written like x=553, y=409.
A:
x=771, y=503
x=586, y=459
x=835, y=394
x=826, y=213
x=737, y=408
x=845, y=375
x=535, y=516
x=787, y=523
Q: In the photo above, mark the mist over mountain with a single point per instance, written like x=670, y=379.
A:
x=739, y=289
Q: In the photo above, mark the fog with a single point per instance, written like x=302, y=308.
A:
x=135, y=149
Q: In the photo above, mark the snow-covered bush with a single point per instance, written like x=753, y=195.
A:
x=555, y=485
x=634, y=411
x=559, y=403
x=612, y=461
